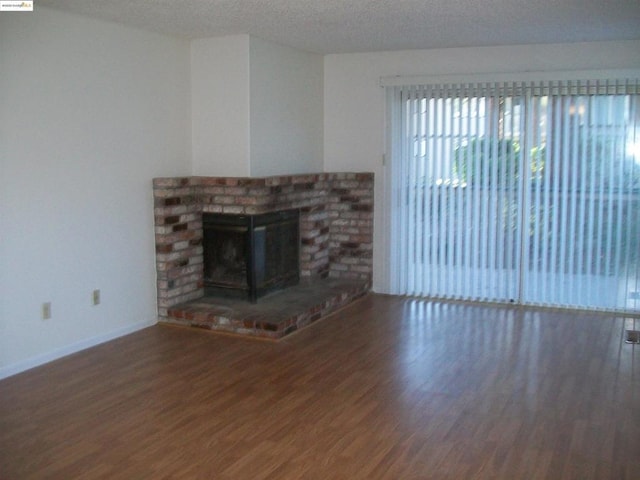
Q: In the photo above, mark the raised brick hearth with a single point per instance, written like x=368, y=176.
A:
x=336, y=236
x=275, y=315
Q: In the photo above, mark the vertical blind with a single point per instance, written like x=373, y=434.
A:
x=517, y=192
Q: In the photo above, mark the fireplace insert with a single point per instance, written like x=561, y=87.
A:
x=250, y=255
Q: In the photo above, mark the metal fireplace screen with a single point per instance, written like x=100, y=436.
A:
x=251, y=255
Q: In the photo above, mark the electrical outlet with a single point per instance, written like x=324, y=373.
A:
x=46, y=310
x=96, y=297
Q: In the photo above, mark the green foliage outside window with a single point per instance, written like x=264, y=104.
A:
x=482, y=159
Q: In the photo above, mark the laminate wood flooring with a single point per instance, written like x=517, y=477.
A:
x=388, y=388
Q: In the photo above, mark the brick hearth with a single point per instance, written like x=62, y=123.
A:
x=336, y=236
x=275, y=315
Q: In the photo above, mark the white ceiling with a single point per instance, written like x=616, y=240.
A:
x=341, y=26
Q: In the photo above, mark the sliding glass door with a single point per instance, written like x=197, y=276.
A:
x=521, y=193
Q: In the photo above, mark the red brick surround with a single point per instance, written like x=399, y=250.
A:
x=336, y=224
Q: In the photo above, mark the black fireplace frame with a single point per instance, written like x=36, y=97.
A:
x=253, y=228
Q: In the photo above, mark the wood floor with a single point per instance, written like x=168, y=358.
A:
x=388, y=388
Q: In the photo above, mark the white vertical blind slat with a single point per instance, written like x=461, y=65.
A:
x=592, y=220
x=441, y=232
x=481, y=152
x=492, y=149
x=429, y=217
x=461, y=210
x=529, y=254
x=554, y=206
x=413, y=192
x=471, y=104
x=419, y=175
x=476, y=231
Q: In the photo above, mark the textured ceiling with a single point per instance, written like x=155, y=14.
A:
x=340, y=26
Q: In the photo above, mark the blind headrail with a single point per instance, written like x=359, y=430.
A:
x=610, y=79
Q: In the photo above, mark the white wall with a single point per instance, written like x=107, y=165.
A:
x=90, y=112
x=220, y=106
x=286, y=110
x=354, y=104
x=257, y=108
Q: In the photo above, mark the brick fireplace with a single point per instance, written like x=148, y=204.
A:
x=336, y=238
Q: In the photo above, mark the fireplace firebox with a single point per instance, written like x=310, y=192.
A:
x=250, y=255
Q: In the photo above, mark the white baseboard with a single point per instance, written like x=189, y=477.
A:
x=38, y=360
